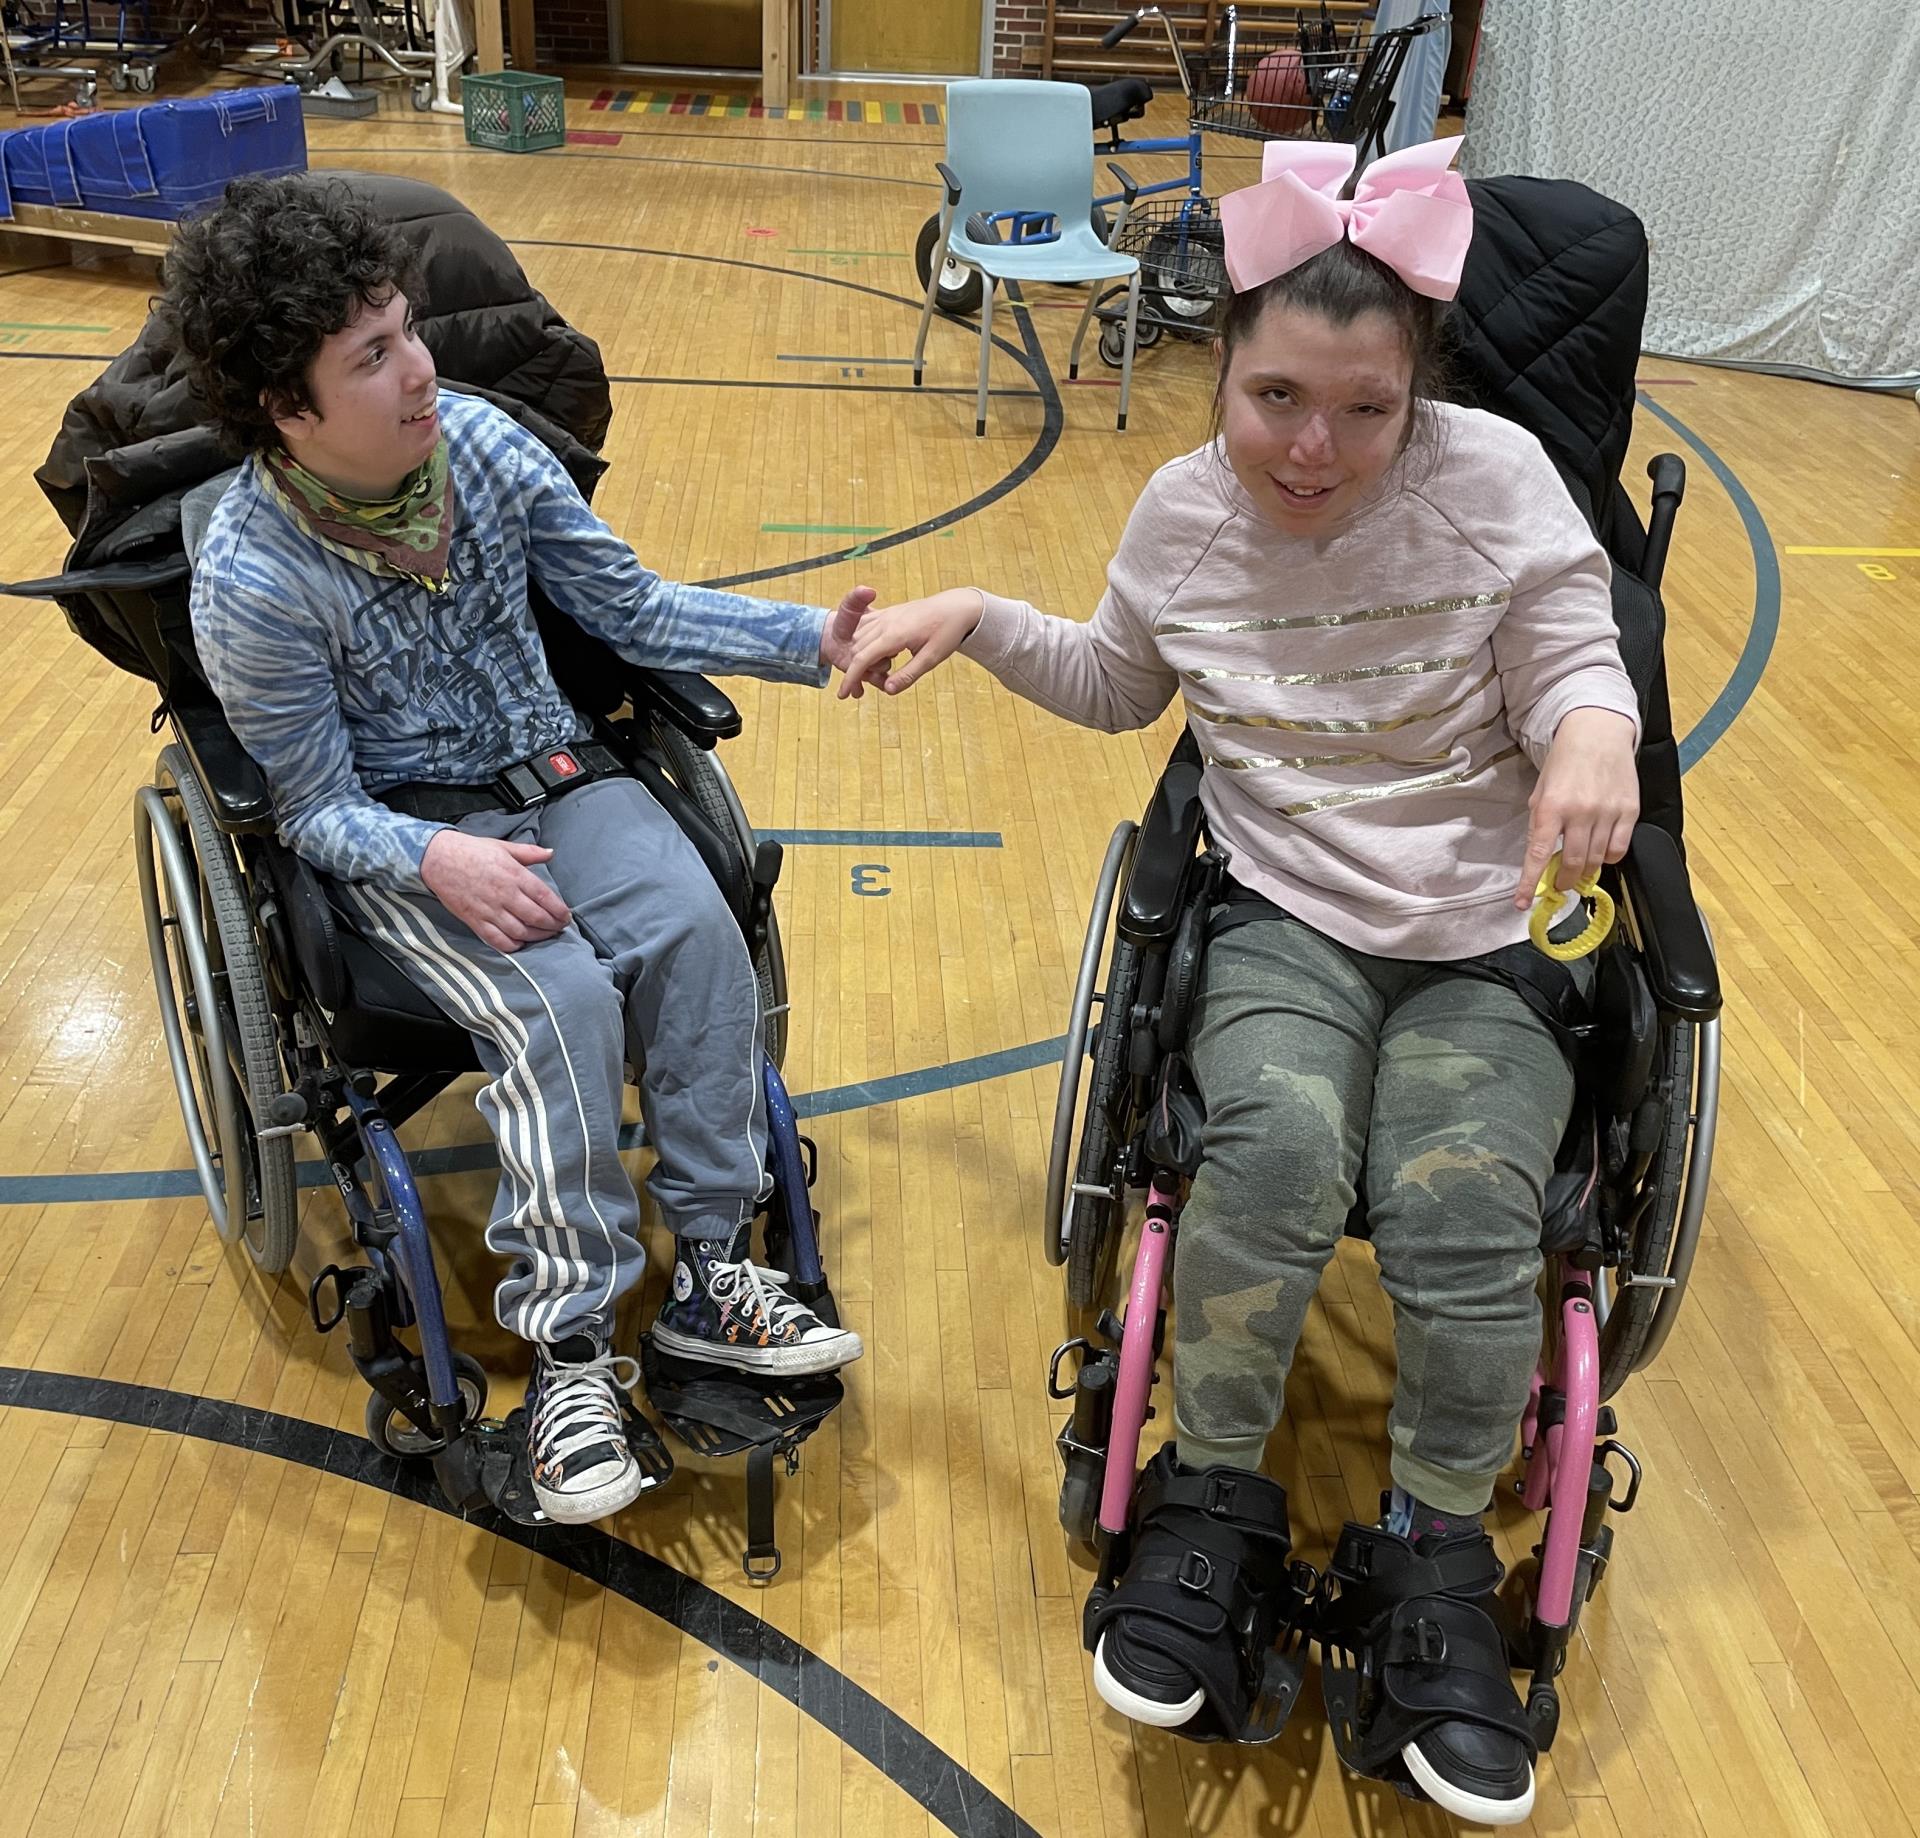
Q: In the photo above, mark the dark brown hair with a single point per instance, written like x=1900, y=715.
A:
x=252, y=289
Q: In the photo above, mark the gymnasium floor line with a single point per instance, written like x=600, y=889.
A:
x=816, y=1688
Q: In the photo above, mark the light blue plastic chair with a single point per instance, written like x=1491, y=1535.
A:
x=1025, y=148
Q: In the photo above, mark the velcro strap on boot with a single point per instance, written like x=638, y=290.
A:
x=1443, y=1660
x=1376, y=1568
x=1250, y=1503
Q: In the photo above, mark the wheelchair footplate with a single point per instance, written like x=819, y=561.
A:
x=505, y=1476
x=718, y=1411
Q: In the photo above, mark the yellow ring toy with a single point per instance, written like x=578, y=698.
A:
x=1546, y=902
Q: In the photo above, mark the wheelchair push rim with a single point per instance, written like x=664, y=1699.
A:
x=220, y=1038
x=1056, y=1225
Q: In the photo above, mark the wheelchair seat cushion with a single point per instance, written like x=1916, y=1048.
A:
x=1123, y=100
x=386, y=1022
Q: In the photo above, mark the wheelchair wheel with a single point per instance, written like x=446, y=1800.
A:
x=961, y=290
x=394, y=1433
x=1084, y=1190
x=1672, y=1196
x=222, y=1042
x=701, y=776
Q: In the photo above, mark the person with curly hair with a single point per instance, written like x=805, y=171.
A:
x=360, y=605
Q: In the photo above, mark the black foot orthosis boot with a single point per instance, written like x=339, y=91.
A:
x=1415, y=1673
x=1200, y=1633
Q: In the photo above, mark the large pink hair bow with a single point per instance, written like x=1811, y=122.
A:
x=1409, y=210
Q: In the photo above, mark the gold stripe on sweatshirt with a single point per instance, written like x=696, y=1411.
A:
x=1364, y=673
x=1312, y=762
x=1308, y=622
x=1365, y=794
x=1387, y=725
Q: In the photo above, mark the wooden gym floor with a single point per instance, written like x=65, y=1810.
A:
x=215, y=1617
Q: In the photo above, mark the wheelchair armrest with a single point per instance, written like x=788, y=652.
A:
x=236, y=787
x=1679, y=958
x=1163, y=858
x=112, y=577
x=700, y=710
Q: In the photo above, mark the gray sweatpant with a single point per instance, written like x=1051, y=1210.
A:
x=1323, y=1068
x=652, y=970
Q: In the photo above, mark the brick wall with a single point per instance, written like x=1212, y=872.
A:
x=1019, y=28
x=570, y=32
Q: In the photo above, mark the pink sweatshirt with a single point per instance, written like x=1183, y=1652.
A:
x=1373, y=705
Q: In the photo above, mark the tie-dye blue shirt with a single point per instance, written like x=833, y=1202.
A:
x=342, y=683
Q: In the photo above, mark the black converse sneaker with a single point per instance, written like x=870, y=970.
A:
x=576, y=1431
x=729, y=1311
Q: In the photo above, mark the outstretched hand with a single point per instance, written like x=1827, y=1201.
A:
x=929, y=630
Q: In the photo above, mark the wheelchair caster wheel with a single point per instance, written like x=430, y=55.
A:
x=1543, y=1715
x=394, y=1433
x=1080, y=1503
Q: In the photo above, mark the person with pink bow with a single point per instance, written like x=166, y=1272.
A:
x=1392, y=634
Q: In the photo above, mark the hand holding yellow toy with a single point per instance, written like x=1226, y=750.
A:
x=1546, y=905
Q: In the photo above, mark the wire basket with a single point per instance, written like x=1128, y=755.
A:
x=1183, y=258
x=1268, y=84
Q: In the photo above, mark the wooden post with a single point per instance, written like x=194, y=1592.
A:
x=489, y=52
x=520, y=33
x=776, y=52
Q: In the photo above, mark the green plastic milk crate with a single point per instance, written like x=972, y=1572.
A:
x=515, y=111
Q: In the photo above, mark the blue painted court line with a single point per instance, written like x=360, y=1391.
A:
x=1763, y=628
x=468, y=1157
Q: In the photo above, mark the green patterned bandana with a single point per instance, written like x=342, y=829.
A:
x=406, y=535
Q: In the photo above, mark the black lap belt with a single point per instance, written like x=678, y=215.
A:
x=1546, y=985
x=524, y=785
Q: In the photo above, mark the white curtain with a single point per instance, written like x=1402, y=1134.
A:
x=1772, y=147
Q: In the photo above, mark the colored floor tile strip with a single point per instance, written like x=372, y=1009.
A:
x=739, y=108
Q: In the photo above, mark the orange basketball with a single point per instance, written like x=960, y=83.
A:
x=1277, y=95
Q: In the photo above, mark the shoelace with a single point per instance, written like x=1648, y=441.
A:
x=730, y=1283
x=575, y=1411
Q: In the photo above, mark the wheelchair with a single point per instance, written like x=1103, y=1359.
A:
x=280, y=1021
x=1622, y=1220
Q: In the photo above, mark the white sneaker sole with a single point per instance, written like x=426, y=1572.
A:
x=1129, y=1703
x=593, y=1502
x=1472, y=1807
x=803, y=1361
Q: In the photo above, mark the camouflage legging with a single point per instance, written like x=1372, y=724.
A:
x=1312, y=1058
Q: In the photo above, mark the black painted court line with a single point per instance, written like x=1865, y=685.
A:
x=1028, y=356
x=915, y=1765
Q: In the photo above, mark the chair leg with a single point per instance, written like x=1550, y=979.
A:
x=986, y=351
x=1126, y=361
x=933, y=294
x=1080, y=331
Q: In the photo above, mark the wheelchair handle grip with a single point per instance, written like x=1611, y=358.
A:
x=1668, y=471
x=1114, y=34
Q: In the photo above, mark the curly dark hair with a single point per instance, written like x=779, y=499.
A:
x=252, y=289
